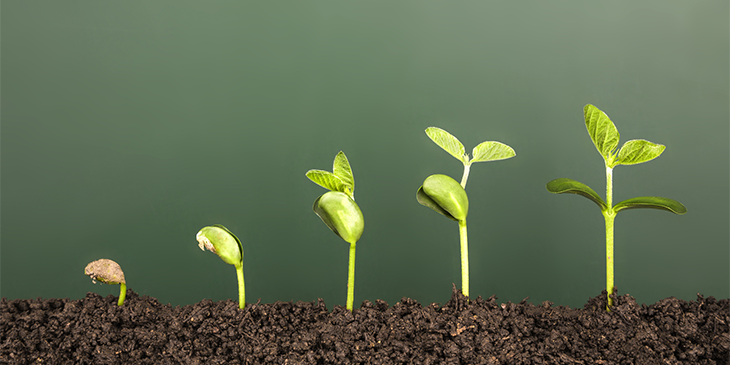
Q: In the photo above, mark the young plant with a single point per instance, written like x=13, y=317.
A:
x=605, y=137
x=444, y=195
x=108, y=272
x=228, y=247
x=338, y=210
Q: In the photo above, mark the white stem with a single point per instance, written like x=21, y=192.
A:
x=464, y=177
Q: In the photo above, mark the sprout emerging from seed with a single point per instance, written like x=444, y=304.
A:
x=108, y=272
x=448, y=197
x=338, y=210
x=222, y=242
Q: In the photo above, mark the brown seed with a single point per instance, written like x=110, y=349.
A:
x=106, y=271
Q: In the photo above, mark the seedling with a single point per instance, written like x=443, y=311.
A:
x=605, y=137
x=338, y=210
x=108, y=272
x=228, y=247
x=444, y=195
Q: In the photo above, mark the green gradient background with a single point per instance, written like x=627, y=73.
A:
x=129, y=125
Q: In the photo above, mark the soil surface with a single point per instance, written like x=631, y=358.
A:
x=94, y=330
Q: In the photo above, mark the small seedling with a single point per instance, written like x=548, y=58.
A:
x=108, y=272
x=228, y=247
x=444, y=195
x=605, y=137
x=338, y=210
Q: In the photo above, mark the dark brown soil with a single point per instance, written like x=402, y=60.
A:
x=94, y=330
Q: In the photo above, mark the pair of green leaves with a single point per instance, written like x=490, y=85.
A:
x=485, y=151
x=442, y=193
x=340, y=179
x=337, y=208
x=605, y=137
x=565, y=185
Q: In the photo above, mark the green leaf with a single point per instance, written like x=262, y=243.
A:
x=447, y=141
x=654, y=202
x=446, y=194
x=341, y=214
x=570, y=186
x=638, y=151
x=342, y=170
x=326, y=180
x=602, y=131
x=491, y=151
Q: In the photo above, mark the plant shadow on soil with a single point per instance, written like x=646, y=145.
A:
x=94, y=330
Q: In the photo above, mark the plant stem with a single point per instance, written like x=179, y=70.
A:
x=465, y=176
x=122, y=293
x=464, y=258
x=241, y=287
x=609, y=256
x=351, y=278
x=609, y=215
x=463, y=240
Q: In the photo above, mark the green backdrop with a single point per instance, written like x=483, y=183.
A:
x=129, y=125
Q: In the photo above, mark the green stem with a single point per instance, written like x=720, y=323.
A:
x=351, y=278
x=122, y=293
x=609, y=215
x=464, y=258
x=241, y=287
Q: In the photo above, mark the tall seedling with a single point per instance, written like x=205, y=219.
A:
x=605, y=137
x=447, y=197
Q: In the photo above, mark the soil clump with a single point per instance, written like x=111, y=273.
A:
x=94, y=330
